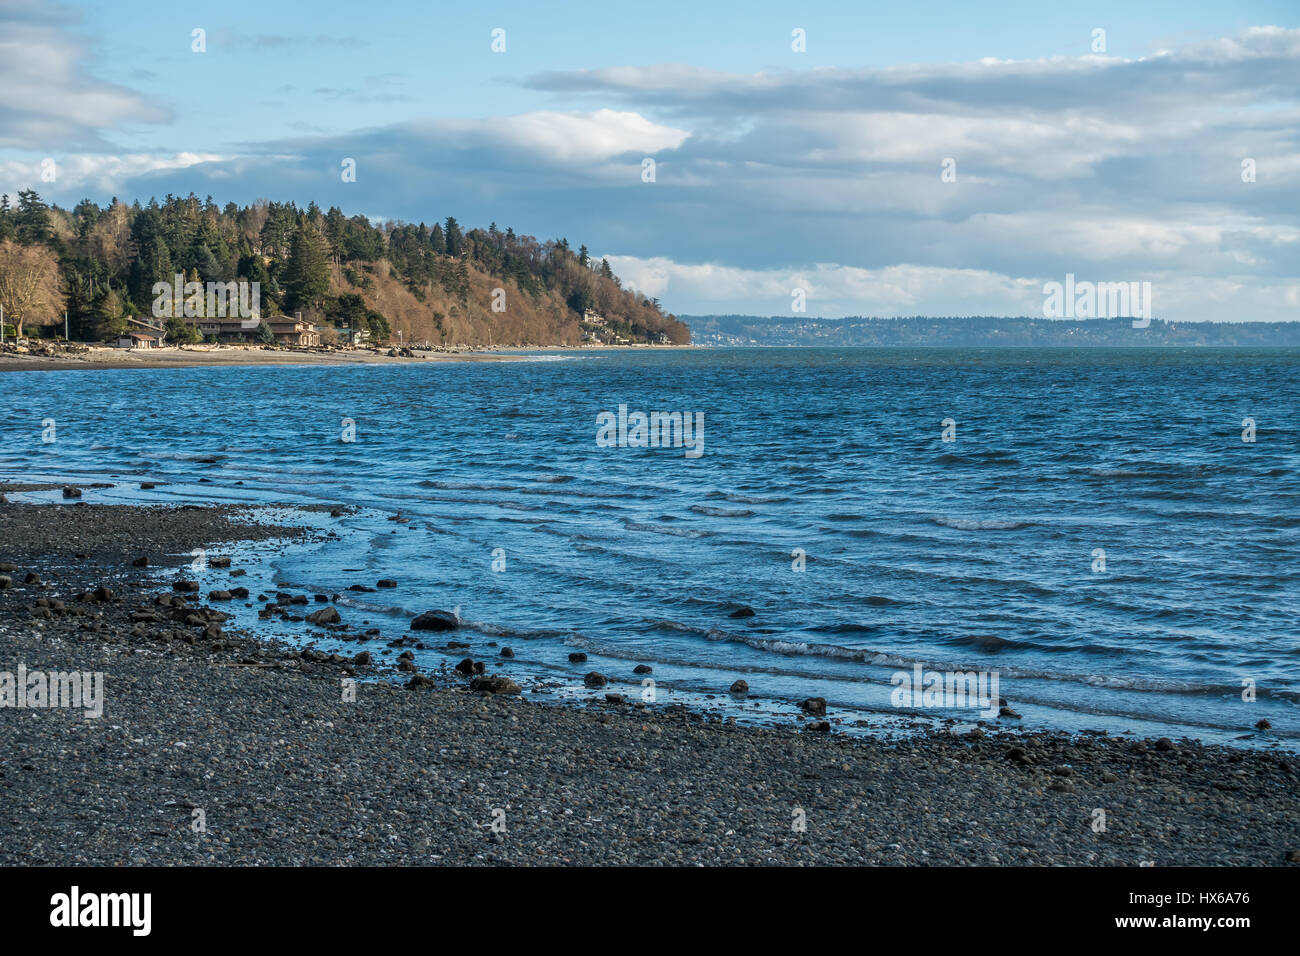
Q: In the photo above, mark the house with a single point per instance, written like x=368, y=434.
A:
x=293, y=331
x=138, y=340
x=144, y=325
x=353, y=336
x=285, y=330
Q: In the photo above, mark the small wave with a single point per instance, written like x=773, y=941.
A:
x=722, y=512
x=662, y=529
x=980, y=524
x=740, y=499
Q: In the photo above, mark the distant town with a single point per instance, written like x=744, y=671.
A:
x=983, y=331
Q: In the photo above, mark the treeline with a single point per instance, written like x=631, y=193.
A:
x=439, y=284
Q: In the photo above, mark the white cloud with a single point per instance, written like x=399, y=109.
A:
x=48, y=100
x=85, y=172
x=901, y=290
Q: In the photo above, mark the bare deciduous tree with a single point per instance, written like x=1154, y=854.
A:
x=29, y=282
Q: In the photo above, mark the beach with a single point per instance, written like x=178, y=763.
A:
x=199, y=356
x=203, y=356
x=219, y=747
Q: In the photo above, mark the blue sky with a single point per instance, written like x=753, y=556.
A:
x=775, y=169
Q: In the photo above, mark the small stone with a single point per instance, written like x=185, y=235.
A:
x=140, y=562
x=643, y=669
x=1164, y=744
x=32, y=578
x=745, y=611
x=1008, y=712
x=466, y=666
x=219, y=595
x=820, y=727
x=613, y=698
x=740, y=687
x=1108, y=777
x=190, y=587
x=507, y=652
x=419, y=680
x=386, y=583
x=1263, y=725
x=5, y=581
x=577, y=657
x=814, y=706
x=1293, y=856
x=363, y=658
x=71, y=492
x=595, y=679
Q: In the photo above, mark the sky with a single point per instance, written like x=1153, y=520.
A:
x=938, y=158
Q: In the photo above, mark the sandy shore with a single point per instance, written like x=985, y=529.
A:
x=199, y=355
x=256, y=740
x=196, y=356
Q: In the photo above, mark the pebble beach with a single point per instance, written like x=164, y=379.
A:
x=219, y=746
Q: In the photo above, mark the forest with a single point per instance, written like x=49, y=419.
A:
x=439, y=284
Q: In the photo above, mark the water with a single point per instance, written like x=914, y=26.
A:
x=973, y=554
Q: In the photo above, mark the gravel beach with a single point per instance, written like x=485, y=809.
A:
x=218, y=747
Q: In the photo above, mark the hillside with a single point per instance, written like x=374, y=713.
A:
x=440, y=285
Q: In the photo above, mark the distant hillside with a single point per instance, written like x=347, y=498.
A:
x=977, y=331
x=434, y=284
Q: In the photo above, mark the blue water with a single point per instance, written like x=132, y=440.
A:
x=971, y=554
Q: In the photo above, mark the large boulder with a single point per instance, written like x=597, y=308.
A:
x=436, y=621
x=326, y=615
x=494, y=685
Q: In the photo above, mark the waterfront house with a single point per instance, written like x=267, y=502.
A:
x=138, y=340
x=286, y=330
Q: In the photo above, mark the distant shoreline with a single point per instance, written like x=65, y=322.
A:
x=198, y=356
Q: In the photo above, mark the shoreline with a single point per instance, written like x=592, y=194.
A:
x=256, y=735
x=201, y=356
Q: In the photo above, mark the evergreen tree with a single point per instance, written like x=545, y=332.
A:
x=306, y=274
x=455, y=238
x=6, y=219
x=32, y=220
x=153, y=261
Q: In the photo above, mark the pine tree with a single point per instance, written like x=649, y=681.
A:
x=455, y=238
x=306, y=274
x=32, y=221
